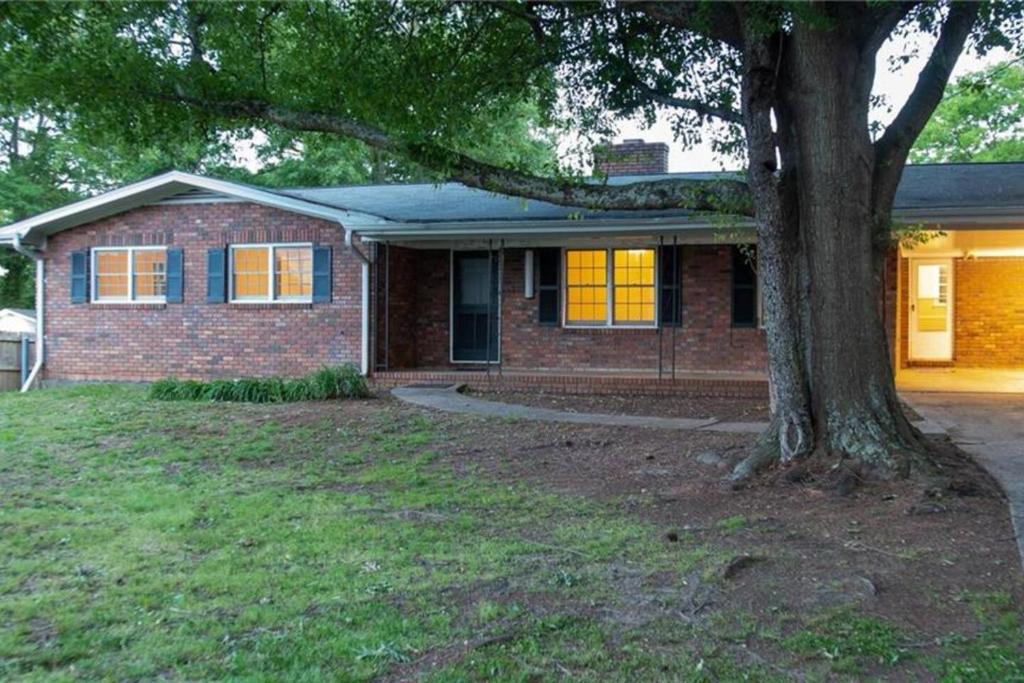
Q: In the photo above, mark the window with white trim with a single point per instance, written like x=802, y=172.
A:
x=271, y=272
x=610, y=287
x=129, y=274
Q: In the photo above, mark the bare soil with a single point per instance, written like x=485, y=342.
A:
x=904, y=551
x=725, y=409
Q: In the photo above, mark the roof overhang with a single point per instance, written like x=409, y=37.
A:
x=690, y=229
x=34, y=231
x=553, y=229
x=17, y=314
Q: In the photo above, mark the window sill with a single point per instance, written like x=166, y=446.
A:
x=610, y=328
x=137, y=305
x=270, y=305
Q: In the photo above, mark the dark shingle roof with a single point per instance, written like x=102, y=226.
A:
x=932, y=186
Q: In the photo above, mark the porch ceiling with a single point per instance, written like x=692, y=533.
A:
x=971, y=244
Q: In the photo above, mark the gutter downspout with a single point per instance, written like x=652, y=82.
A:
x=364, y=363
x=40, y=310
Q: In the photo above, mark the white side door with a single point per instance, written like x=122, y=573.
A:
x=931, y=309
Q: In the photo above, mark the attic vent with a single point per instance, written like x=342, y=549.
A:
x=196, y=195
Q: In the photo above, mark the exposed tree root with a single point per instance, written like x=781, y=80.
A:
x=867, y=447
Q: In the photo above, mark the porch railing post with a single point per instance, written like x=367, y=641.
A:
x=658, y=290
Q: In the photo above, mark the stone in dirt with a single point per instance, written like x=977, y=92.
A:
x=737, y=564
x=711, y=459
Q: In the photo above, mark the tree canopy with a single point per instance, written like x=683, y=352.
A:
x=787, y=87
x=981, y=118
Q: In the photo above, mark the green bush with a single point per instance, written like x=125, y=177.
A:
x=326, y=383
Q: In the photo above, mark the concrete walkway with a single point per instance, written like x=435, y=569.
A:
x=450, y=400
x=991, y=428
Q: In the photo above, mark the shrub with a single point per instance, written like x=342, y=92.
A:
x=324, y=384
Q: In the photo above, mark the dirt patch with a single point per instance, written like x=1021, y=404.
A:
x=896, y=550
x=724, y=409
x=746, y=410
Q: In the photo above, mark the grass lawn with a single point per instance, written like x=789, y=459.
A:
x=359, y=541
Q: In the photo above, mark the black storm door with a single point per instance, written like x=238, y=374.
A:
x=474, y=306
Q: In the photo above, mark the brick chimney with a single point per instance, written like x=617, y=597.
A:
x=631, y=157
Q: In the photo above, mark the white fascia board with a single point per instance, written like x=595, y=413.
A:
x=552, y=228
x=17, y=314
x=979, y=218
x=159, y=187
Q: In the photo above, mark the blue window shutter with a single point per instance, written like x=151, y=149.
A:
x=321, y=274
x=79, y=277
x=175, y=266
x=549, y=267
x=216, y=276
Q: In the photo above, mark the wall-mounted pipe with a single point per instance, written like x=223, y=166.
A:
x=364, y=363
x=36, y=256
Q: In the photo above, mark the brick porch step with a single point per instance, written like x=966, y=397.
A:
x=724, y=385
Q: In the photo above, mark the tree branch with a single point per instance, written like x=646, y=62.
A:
x=655, y=95
x=701, y=108
x=724, y=196
x=714, y=20
x=892, y=148
x=888, y=17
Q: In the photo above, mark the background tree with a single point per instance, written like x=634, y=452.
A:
x=46, y=162
x=981, y=118
x=788, y=85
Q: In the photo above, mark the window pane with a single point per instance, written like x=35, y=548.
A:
x=112, y=274
x=634, y=286
x=744, y=287
x=744, y=307
x=150, y=273
x=293, y=274
x=249, y=273
x=586, y=276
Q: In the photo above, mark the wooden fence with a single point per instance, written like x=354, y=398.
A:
x=10, y=362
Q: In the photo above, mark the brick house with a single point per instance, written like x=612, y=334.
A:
x=198, y=278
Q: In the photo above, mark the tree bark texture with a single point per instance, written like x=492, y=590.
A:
x=821, y=252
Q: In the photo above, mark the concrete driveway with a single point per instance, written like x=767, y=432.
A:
x=991, y=428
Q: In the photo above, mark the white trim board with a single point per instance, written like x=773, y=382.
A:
x=34, y=230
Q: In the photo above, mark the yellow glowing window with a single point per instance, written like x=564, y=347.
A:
x=150, y=273
x=130, y=274
x=272, y=272
x=250, y=272
x=293, y=272
x=112, y=274
x=633, y=282
x=586, y=286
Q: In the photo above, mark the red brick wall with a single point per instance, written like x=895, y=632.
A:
x=706, y=341
x=195, y=339
x=988, y=312
x=632, y=157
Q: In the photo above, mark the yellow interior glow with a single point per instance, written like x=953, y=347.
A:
x=112, y=274
x=634, y=286
x=293, y=270
x=586, y=279
x=150, y=273
x=249, y=272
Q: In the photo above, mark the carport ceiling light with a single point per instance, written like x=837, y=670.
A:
x=993, y=253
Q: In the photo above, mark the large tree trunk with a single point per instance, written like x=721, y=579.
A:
x=820, y=253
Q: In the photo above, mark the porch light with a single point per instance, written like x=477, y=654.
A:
x=996, y=253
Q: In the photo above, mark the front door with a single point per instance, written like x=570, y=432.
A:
x=931, y=309
x=475, y=316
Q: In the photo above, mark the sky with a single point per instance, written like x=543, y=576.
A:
x=896, y=87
